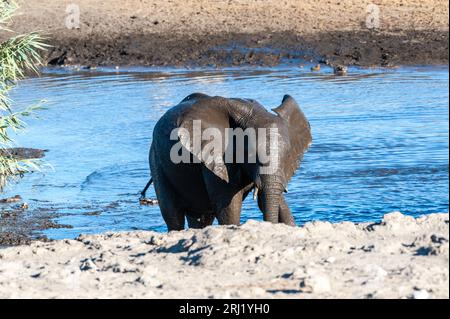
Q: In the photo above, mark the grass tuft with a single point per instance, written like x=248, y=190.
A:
x=18, y=55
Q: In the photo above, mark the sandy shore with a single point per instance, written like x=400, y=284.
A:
x=239, y=32
x=401, y=257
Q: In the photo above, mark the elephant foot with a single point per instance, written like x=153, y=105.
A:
x=201, y=221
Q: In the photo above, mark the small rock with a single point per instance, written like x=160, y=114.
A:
x=24, y=206
x=88, y=264
x=420, y=294
x=396, y=220
x=36, y=275
x=436, y=239
x=367, y=248
x=375, y=272
x=298, y=273
x=288, y=252
x=223, y=295
x=156, y=240
x=330, y=260
x=317, y=283
x=148, y=277
x=257, y=291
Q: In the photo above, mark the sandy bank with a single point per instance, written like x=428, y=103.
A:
x=401, y=257
x=261, y=32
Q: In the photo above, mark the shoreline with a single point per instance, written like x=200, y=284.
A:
x=239, y=33
x=399, y=257
x=244, y=50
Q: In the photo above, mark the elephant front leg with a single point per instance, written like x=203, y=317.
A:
x=231, y=215
x=225, y=199
x=200, y=222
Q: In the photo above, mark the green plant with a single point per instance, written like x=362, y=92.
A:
x=18, y=54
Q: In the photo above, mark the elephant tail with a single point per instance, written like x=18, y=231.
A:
x=146, y=187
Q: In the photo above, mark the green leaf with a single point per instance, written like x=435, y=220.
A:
x=18, y=54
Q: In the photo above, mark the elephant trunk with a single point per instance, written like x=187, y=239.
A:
x=269, y=200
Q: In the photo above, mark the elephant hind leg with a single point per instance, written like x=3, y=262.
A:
x=167, y=198
x=200, y=222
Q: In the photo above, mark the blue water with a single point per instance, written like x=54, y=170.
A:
x=380, y=140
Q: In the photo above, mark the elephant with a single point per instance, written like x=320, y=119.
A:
x=202, y=188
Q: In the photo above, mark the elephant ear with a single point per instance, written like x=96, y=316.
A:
x=201, y=119
x=195, y=96
x=299, y=132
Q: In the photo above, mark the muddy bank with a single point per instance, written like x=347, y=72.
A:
x=224, y=33
x=401, y=257
x=20, y=225
x=348, y=48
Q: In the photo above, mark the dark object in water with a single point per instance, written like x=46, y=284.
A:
x=316, y=68
x=340, y=70
x=13, y=199
x=94, y=213
x=59, y=60
x=22, y=152
x=148, y=201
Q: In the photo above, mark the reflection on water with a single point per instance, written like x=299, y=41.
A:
x=380, y=140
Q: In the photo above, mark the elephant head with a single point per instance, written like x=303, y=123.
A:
x=292, y=136
x=283, y=137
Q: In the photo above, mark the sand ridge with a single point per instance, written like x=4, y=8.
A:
x=401, y=257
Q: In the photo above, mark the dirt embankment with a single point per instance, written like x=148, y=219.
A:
x=239, y=32
x=401, y=257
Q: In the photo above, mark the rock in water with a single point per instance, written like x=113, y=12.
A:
x=340, y=70
x=22, y=152
x=13, y=199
